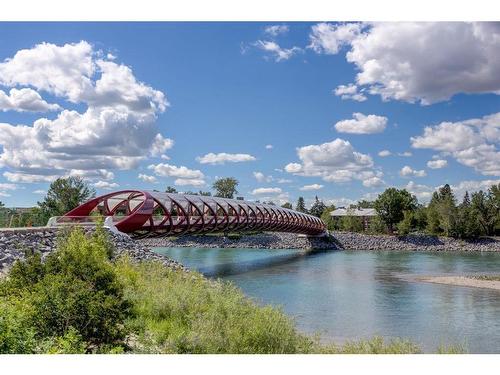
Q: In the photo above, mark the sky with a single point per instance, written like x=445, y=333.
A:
x=337, y=110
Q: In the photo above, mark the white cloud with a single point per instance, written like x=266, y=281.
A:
x=276, y=30
x=160, y=145
x=472, y=143
x=384, y=153
x=25, y=100
x=283, y=181
x=117, y=129
x=418, y=61
x=223, y=157
x=189, y=181
x=362, y=124
x=405, y=154
x=147, y=178
x=311, y=187
x=39, y=191
x=424, y=192
x=274, y=49
x=167, y=170
x=271, y=190
x=335, y=161
x=437, y=164
x=106, y=185
x=349, y=92
x=373, y=182
x=328, y=39
x=261, y=177
x=269, y=147
x=407, y=171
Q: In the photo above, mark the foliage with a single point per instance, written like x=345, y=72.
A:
x=71, y=300
x=408, y=223
x=351, y=223
x=391, y=204
x=63, y=195
x=170, y=189
x=225, y=187
x=317, y=208
x=376, y=345
x=287, y=205
x=327, y=218
x=365, y=204
x=301, y=205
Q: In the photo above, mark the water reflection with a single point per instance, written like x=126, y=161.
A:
x=348, y=295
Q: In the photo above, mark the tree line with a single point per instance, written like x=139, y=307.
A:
x=398, y=211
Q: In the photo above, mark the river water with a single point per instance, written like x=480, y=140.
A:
x=346, y=295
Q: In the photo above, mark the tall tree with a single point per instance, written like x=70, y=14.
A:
x=327, y=218
x=391, y=204
x=301, y=205
x=225, y=187
x=170, y=189
x=483, y=208
x=63, y=195
x=317, y=208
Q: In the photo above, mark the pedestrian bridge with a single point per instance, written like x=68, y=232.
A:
x=154, y=214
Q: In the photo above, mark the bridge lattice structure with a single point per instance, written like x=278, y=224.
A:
x=156, y=214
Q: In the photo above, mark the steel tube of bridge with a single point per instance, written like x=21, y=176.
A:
x=154, y=214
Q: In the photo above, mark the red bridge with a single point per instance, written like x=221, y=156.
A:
x=151, y=213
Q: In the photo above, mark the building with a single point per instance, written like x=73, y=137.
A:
x=366, y=214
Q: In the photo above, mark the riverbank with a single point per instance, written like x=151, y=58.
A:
x=360, y=241
x=469, y=281
x=337, y=241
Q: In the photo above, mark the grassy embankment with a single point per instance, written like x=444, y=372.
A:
x=78, y=301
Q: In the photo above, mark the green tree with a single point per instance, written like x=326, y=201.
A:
x=225, y=187
x=287, y=205
x=467, y=224
x=301, y=205
x=365, y=204
x=485, y=210
x=63, y=195
x=205, y=193
x=171, y=189
x=444, y=203
x=408, y=223
x=351, y=223
x=391, y=204
x=317, y=208
x=327, y=218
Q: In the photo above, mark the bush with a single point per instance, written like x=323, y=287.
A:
x=75, y=293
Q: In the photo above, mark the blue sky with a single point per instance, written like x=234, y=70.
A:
x=231, y=89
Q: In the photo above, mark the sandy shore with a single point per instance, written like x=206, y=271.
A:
x=461, y=281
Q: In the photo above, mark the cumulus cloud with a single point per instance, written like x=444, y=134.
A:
x=147, y=178
x=408, y=171
x=276, y=30
x=167, y=170
x=437, y=164
x=335, y=161
x=424, y=62
x=117, y=130
x=328, y=38
x=106, y=185
x=25, y=100
x=261, y=177
x=269, y=147
x=222, y=158
x=349, y=92
x=311, y=187
x=189, y=181
x=373, y=182
x=277, y=52
x=362, y=124
x=283, y=181
x=384, y=153
x=5, y=188
x=271, y=190
x=472, y=143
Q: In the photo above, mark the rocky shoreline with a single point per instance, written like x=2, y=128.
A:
x=337, y=241
x=15, y=243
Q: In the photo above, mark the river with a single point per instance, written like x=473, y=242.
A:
x=348, y=295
